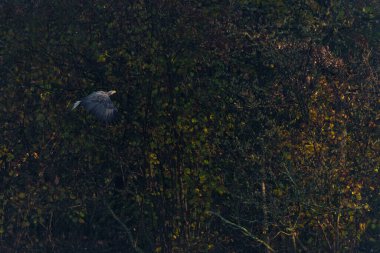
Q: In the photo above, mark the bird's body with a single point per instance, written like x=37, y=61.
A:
x=100, y=105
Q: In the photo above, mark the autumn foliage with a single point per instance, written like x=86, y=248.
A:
x=245, y=126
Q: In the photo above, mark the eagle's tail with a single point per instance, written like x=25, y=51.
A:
x=76, y=104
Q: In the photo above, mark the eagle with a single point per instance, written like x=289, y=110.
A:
x=100, y=105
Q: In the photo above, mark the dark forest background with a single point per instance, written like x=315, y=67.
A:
x=245, y=126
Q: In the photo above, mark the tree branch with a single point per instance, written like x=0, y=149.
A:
x=243, y=230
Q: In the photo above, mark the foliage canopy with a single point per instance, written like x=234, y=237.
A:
x=245, y=126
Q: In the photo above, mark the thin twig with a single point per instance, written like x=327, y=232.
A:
x=129, y=234
x=244, y=231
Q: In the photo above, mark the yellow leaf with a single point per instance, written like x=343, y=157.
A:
x=35, y=155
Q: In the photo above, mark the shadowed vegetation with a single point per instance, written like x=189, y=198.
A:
x=244, y=126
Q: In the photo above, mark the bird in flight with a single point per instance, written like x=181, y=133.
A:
x=100, y=105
